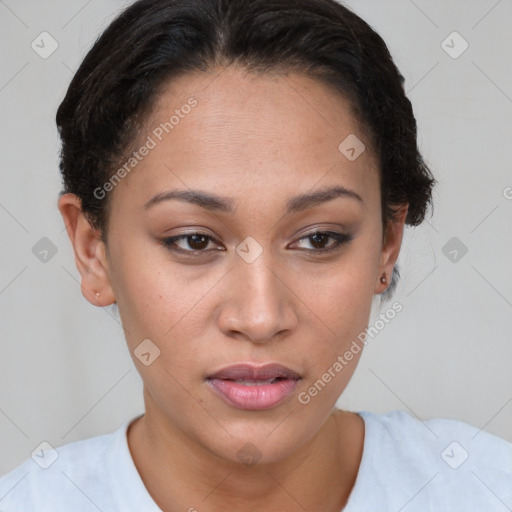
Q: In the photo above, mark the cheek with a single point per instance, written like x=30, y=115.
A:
x=344, y=316
x=151, y=292
x=156, y=303
x=161, y=301
x=342, y=297
x=335, y=344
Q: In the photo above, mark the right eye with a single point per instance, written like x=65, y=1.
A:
x=196, y=241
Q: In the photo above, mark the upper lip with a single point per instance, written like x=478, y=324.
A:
x=251, y=372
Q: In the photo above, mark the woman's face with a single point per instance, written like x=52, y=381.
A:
x=254, y=287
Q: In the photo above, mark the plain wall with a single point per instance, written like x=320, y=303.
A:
x=65, y=373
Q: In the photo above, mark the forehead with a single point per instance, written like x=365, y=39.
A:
x=228, y=128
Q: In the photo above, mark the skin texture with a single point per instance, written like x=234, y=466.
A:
x=259, y=140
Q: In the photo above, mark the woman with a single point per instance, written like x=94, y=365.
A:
x=237, y=177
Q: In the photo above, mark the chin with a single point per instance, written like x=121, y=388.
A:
x=262, y=437
x=249, y=450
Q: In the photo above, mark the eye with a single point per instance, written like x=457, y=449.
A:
x=319, y=238
x=197, y=242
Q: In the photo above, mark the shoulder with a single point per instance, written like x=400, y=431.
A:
x=441, y=462
x=70, y=474
x=458, y=440
x=453, y=442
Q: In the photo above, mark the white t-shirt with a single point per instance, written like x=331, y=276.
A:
x=407, y=465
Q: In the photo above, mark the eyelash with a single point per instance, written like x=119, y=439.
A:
x=341, y=240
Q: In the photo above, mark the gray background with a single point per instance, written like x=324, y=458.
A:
x=65, y=373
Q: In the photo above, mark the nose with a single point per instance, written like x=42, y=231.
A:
x=258, y=303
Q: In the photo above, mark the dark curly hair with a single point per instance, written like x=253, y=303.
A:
x=152, y=41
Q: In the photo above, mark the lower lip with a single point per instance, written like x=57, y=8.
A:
x=253, y=397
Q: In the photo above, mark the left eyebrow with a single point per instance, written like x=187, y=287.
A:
x=214, y=202
x=308, y=200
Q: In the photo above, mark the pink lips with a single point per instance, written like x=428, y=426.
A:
x=254, y=388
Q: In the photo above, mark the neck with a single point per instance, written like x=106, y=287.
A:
x=180, y=474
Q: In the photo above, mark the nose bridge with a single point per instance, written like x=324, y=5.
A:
x=258, y=304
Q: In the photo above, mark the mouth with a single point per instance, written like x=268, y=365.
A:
x=250, y=387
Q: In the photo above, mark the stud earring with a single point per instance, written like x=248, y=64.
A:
x=383, y=279
x=97, y=294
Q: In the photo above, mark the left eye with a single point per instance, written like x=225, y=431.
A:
x=198, y=242
x=320, y=237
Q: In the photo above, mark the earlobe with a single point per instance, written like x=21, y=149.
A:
x=89, y=250
x=392, y=241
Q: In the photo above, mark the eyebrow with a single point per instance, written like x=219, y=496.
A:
x=215, y=203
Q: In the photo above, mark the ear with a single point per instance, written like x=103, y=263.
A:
x=391, y=243
x=90, y=254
